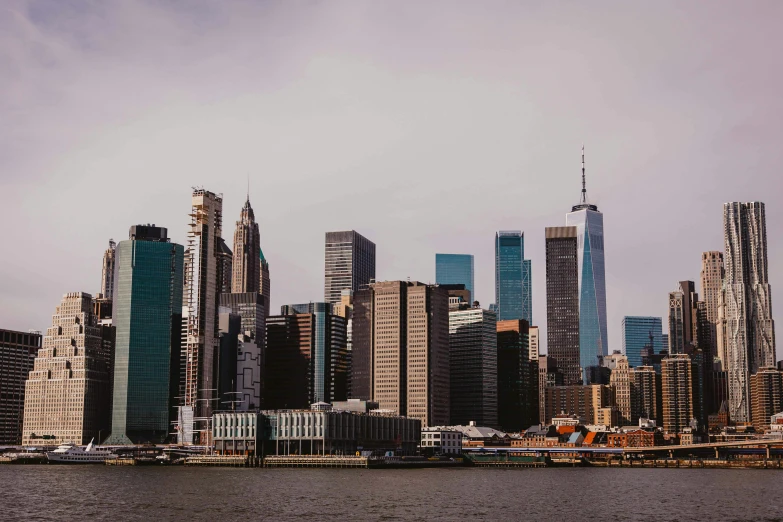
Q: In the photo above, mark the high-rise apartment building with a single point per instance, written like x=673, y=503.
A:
x=349, y=263
x=589, y=223
x=107, y=273
x=589, y=403
x=750, y=333
x=562, y=304
x=473, y=359
x=17, y=355
x=646, y=394
x=640, y=333
x=265, y=284
x=203, y=276
x=147, y=317
x=712, y=274
x=766, y=392
x=513, y=293
x=548, y=375
x=620, y=380
x=246, y=264
x=518, y=405
x=682, y=318
x=400, y=356
x=66, y=394
x=679, y=397
x=534, y=344
x=455, y=269
x=307, y=357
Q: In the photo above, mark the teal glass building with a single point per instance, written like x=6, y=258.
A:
x=640, y=333
x=147, y=315
x=513, y=296
x=455, y=269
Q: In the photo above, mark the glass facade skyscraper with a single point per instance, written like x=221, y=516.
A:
x=512, y=277
x=147, y=314
x=455, y=269
x=589, y=223
x=639, y=333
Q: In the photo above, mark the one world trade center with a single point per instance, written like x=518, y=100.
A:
x=589, y=223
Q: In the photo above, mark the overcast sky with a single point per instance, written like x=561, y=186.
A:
x=425, y=126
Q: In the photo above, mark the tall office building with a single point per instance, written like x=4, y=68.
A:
x=592, y=403
x=640, y=333
x=349, y=263
x=620, y=380
x=455, y=269
x=225, y=260
x=750, y=333
x=67, y=390
x=646, y=394
x=766, y=388
x=307, y=357
x=517, y=381
x=535, y=343
x=246, y=264
x=679, y=397
x=265, y=285
x=147, y=316
x=250, y=346
x=682, y=306
x=712, y=274
x=203, y=276
x=17, y=355
x=400, y=356
x=589, y=223
x=107, y=273
x=562, y=304
x=513, y=298
x=473, y=359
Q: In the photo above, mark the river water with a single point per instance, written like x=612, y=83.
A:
x=40, y=492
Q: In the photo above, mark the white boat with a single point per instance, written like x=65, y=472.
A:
x=71, y=454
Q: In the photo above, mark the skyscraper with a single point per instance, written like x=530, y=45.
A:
x=679, y=397
x=534, y=344
x=750, y=334
x=246, y=264
x=683, y=317
x=712, y=274
x=67, y=390
x=107, y=274
x=562, y=304
x=265, y=285
x=646, y=394
x=200, y=339
x=400, y=356
x=349, y=263
x=17, y=355
x=640, y=333
x=473, y=359
x=147, y=317
x=225, y=259
x=517, y=381
x=250, y=347
x=589, y=223
x=620, y=380
x=455, y=269
x=513, y=298
x=766, y=387
x=307, y=356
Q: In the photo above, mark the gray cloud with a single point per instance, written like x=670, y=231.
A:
x=425, y=126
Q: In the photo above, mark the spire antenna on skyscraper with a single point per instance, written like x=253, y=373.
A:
x=584, y=184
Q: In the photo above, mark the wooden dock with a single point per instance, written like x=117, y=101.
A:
x=315, y=461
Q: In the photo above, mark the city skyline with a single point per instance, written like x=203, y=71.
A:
x=194, y=141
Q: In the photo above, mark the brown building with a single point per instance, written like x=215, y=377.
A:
x=17, y=355
x=586, y=402
x=401, y=349
x=646, y=394
x=620, y=381
x=246, y=263
x=711, y=283
x=677, y=382
x=548, y=375
x=631, y=439
x=562, y=301
x=766, y=395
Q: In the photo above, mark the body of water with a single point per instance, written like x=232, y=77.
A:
x=46, y=492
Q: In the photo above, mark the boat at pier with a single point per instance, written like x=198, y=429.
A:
x=71, y=454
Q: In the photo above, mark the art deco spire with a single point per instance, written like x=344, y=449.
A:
x=246, y=265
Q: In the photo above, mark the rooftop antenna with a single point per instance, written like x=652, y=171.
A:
x=584, y=187
x=248, y=184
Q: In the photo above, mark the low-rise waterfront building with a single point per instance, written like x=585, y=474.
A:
x=437, y=441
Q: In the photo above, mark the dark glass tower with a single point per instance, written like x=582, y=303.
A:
x=349, y=264
x=147, y=315
x=512, y=277
x=562, y=302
